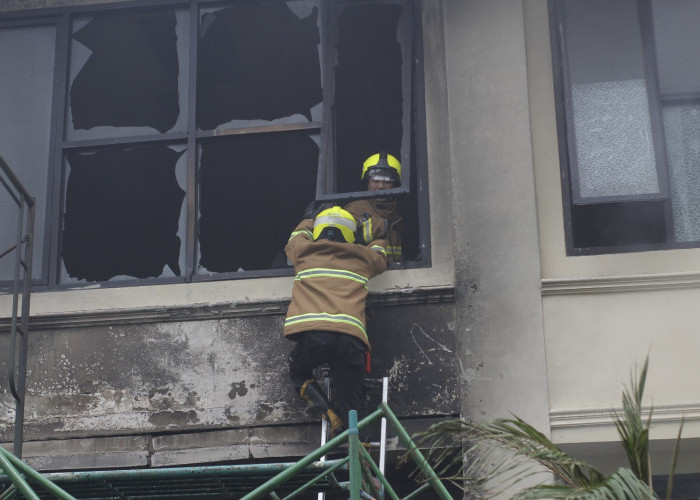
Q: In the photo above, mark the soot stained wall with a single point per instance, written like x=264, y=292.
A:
x=144, y=378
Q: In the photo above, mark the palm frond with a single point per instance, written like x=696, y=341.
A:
x=632, y=429
x=512, y=435
x=674, y=461
x=621, y=485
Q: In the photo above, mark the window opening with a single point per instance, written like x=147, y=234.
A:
x=123, y=214
x=291, y=97
x=368, y=89
x=253, y=190
x=128, y=75
x=259, y=61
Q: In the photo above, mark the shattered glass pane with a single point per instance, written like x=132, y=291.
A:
x=253, y=191
x=368, y=88
x=124, y=214
x=258, y=63
x=129, y=75
x=26, y=65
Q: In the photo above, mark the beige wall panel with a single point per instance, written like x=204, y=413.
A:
x=593, y=343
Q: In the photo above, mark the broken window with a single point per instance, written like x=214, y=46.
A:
x=373, y=105
x=187, y=140
x=369, y=88
x=123, y=214
x=129, y=75
x=259, y=62
x=253, y=190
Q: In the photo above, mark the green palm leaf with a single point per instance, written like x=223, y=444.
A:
x=506, y=452
x=633, y=430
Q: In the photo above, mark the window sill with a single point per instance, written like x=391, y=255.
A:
x=213, y=299
x=219, y=310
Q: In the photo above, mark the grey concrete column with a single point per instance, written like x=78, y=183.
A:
x=494, y=212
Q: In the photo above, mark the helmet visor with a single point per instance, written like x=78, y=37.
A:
x=346, y=226
x=382, y=175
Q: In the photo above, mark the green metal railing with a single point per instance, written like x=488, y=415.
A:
x=365, y=480
x=362, y=467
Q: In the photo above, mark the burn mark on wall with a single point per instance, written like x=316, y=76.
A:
x=130, y=79
x=166, y=419
x=242, y=224
x=257, y=61
x=121, y=214
x=237, y=389
x=368, y=88
x=142, y=378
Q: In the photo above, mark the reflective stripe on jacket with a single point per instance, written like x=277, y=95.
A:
x=330, y=286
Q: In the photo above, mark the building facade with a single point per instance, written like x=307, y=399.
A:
x=548, y=159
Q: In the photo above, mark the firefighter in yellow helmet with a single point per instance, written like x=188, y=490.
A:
x=379, y=217
x=326, y=317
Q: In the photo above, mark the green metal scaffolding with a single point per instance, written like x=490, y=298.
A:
x=364, y=478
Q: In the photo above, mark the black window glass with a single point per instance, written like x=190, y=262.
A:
x=253, y=191
x=122, y=214
x=257, y=61
x=130, y=78
x=368, y=89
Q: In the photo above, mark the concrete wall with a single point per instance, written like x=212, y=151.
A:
x=112, y=379
x=494, y=217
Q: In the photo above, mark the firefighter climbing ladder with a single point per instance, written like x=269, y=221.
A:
x=366, y=479
x=248, y=482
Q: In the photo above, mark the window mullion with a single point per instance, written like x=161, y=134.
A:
x=406, y=34
x=56, y=171
x=326, y=173
x=656, y=111
x=192, y=153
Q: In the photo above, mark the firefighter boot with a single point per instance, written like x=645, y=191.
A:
x=313, y=395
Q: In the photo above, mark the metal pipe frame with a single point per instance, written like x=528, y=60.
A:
x=360, y=463
x=22, y=283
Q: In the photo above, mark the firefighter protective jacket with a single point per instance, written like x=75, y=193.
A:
x=331, y=283
x=381, y=221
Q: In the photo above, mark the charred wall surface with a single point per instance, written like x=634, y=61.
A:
x=118, y=378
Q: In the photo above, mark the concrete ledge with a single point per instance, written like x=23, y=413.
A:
x=283, y=443
x=89, y=453
x=217, y=311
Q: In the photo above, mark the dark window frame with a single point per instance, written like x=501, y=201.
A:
x=414, y=150
x=567, y=148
